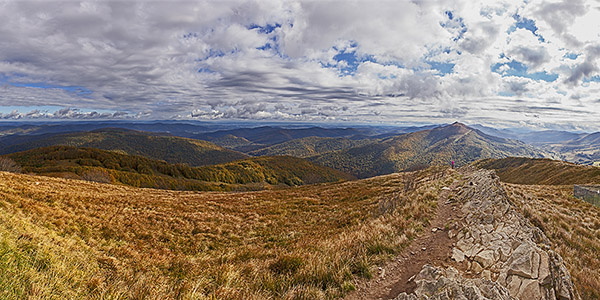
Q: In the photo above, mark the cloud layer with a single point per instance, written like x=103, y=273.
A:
x=498, y=63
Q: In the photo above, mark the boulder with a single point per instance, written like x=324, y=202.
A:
x=485, y=258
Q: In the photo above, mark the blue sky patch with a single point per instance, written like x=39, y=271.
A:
x=592, y=79
x=265, y=29
x=454, y=22
x=571, y=55
x=213, y=53
x=271, y=44
x=506, y=94
x=206, y=70
x=442, y=68
x=519, y=69
x=351, y=60
x=527, y=24
x=190, y=35
x=78, y=90
x=26, y=109
x=46, y=109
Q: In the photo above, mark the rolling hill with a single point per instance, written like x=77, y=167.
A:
x=522, y=170
x=270, y=135
x=310, y=146
x=162, y=147
x=107, y=166
x=237, y=143
x=438, y=146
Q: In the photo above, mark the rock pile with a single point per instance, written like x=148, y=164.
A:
x=498, y=254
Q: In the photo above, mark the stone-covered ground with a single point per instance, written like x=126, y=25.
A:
x=497, y=253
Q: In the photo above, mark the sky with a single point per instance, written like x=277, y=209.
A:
x=518, y=63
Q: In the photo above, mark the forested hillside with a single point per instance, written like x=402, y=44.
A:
x=106, y=166
x=162, y=147
x=310, y=146
x=439, y=146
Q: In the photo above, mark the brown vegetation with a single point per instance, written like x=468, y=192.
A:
x=9, y=165
x=571, y=224
x=107, y=166
x=524, y=170
x=76, y=239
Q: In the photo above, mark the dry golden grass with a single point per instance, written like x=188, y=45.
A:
x=571, y=224
x=311, y=242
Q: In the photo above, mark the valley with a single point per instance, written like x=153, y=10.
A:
x=149, y=215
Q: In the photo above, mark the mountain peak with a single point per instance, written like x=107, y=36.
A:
x=458, y=124
x=454, y=128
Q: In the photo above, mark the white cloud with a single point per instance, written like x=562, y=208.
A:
x=264, y=59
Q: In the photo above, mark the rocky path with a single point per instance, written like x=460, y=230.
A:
x=432, y=247
x=490, y=252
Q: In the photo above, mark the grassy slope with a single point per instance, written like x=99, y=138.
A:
x=572, y=225
x=305, y=243
x=540, y=171
x=423, y=148
x=72, y=162
x=169, y=148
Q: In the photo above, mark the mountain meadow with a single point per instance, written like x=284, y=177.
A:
x=64, y=238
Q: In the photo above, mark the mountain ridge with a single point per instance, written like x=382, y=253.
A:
x=159, y=146
x=439, y=146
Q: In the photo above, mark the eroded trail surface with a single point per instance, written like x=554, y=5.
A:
x=489, y=251
x=434, y=246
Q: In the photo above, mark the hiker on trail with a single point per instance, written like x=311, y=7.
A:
x=452, y=163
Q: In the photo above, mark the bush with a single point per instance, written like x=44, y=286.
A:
x=9, y=165
x=97, y=176
x=286, y=265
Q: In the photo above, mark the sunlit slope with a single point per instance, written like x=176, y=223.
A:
x=107, y=166
x=571, y=224
x=75, y=239
x=439, y=146
x=541, y=171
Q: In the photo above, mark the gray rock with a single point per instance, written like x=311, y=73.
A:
x=512, y=258
x=485, y=258
x=458, y=255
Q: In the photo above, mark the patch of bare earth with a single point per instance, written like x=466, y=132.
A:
x=433, y=246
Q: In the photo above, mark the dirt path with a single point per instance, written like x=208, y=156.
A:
x=432, y=247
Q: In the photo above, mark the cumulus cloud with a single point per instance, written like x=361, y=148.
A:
x=297, y=60
x=64, y=113
x=586, y=68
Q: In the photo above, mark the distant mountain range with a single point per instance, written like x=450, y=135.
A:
x=310, y=146
x=531, y=137
x=162, y=147
x=581, y=148
x=362, y=150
